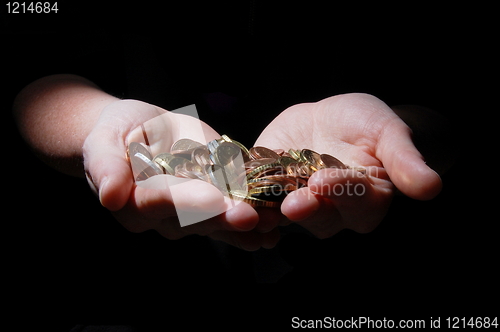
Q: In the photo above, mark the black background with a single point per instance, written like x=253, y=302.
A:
x=68, y=262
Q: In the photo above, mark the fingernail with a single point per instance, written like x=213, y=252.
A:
x=102, y=187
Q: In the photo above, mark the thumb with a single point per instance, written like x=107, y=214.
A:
x=104, y=151
x=107, y=168
x=404, y=163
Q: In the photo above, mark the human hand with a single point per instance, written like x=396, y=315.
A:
x=361, y=131
x=151, y=205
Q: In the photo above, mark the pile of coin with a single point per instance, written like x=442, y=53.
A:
x=258, y=176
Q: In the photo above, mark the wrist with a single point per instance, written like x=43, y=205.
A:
x=55, y=114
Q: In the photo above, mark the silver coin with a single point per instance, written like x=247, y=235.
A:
x=194, y=167
x=201, y=156
x=212, y=146
x=173, y=163
x=136, y=147
x=217, y=177
x=227, y=152
x=143, y=167
x=184, y=144
x=190, y=174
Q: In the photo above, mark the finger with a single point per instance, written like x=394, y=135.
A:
x=325, y=222
x=239, y=218
x=300, y=204
x=203, y=205
x=361, y=201
x=405, y=165
x=336, y=199
x=331, y=183
x=153, y=201
x=312, y=211
x=198, y=208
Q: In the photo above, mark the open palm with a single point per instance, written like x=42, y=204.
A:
x=155, y=204
x=361, y=131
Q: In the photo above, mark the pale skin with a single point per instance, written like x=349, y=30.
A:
x=80, y=130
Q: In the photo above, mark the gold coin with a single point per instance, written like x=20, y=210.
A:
x=295, y=154
x=299, y=169
x=313, y=158
x=252, y=164
x=163, y=159
x=258, y=152
x=242, y=196
x=261, y=169
x=272, y=189
x=261, y=183
x=241, y=146
x=285, y=161
x=331, y=162
x=304, y=169
x=291, y=169
x=281, y=179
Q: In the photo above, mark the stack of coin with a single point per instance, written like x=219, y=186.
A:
x=258, y=176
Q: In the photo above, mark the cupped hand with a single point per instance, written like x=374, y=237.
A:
x=151, y=205
x=361, y=131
